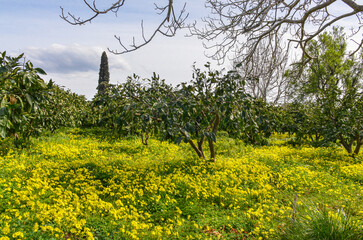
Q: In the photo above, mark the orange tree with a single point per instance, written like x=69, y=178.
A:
x=62, y=108
x=29, y=106
x=192, y=112
x=21, y=91
x=199, y=109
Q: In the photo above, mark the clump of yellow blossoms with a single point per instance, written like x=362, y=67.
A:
x=74, y=187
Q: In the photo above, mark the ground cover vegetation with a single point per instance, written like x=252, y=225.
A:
x=81, y=184
x=204, y=159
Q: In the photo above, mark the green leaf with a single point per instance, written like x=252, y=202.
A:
x=178, y=140
x=239, y=65
x=40, y=71
x=29, y=99
x=186, y=134
x=10, y=124
x=2, y=132
x=3, y=112
x=4, y=102
x=3, y=69
x=210, y=136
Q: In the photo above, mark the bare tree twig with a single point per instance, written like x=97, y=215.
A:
x=72, y=19
x=240, y=26
x=263, y=75
x=168, y=26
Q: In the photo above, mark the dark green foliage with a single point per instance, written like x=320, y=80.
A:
x=30, y=106
x=21, y=92
x=192, y=112
x=297, y=122
x=104, y=75
x=63, y=109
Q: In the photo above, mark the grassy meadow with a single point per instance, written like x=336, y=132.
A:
x=79, y=184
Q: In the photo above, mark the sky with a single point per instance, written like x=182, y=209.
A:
x=71, y=54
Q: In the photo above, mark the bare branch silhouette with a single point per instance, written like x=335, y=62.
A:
x=244, y=24
x=168, y=26
x=263, y=75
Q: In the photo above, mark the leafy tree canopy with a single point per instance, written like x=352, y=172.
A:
x=332, y=85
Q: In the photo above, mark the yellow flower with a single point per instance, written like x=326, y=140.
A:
x=6, y=229
x=18, y=234
x=36, y=227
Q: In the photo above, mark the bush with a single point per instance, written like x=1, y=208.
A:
x=323, y=224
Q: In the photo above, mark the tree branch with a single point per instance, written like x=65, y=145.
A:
x=241, y=26
x=168, y=26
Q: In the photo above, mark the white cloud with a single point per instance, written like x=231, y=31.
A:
x=73, y=58
x=74, y=66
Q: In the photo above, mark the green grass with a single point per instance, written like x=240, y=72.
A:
x=322, y=224
x=85, y=184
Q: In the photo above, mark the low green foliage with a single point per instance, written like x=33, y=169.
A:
x=63, y=108
x=322, y=224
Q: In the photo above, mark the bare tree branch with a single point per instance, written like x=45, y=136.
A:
x=241, y=25
x=263, y=75
x=168, y=26
x=72, y=19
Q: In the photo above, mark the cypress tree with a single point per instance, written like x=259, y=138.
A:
x=104, y=75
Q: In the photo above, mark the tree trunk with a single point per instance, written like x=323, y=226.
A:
x=359, y=144
x=200, y=153
x=347, y=146
x=146, y=138
x=200, y=147
x=217, y=120
x=212, y=151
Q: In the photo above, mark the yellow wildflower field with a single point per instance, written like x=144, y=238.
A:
x=77, y=186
